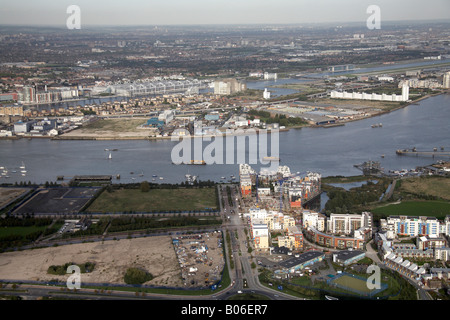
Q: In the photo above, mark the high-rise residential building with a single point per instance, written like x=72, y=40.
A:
x=348, y=223
x=228, y=86
x=414, y=226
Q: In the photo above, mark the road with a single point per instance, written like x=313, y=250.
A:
x=243, y=272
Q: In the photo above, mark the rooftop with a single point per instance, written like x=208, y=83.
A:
x=303, y=258
x=347, y=254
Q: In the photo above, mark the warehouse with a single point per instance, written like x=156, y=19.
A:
x=347, y=257
x=302, y=261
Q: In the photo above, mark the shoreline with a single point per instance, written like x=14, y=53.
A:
x=111, y=138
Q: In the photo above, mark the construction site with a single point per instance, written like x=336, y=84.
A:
x=201, y=258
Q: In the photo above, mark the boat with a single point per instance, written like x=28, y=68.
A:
x=153, y=179
x=382, y=155
x=141, y=174
x=154, y=176
x=22, y=166
x=222, y=178
x=198, y=162
x=161, y=178
x=271, y=158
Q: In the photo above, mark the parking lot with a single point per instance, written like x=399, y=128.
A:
x=62, y=200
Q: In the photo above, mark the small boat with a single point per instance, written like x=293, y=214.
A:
x=382, y=155
x=110, y=156
x=153, y=179
x=222, y=177
x=161, y=178
x=154, y=176
x=22, y=166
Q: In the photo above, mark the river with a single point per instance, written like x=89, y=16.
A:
x=330, y=151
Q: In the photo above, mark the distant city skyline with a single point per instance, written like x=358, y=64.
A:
x=198, y=12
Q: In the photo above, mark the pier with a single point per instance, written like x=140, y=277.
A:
x=414, y=152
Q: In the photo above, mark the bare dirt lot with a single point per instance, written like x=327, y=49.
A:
x=112, y=129
x=9, y=194
x=111, y=258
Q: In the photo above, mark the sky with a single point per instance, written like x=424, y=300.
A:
x=182, y=12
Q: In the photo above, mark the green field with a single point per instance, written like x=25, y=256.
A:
x=20, y=231
x=126, y=200
x=427, y=186
x=438, y=209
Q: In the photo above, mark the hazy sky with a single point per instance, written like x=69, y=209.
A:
x=169, y=12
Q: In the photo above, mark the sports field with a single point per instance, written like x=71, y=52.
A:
x=352, y=283
x=125, y=200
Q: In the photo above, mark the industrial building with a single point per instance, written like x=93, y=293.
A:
x=302, y=261
x=372, y=96
x=151, y=87
x=348, y=257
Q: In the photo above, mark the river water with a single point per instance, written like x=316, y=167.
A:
x=330, y=151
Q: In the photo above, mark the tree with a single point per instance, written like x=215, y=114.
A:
x=145, y=187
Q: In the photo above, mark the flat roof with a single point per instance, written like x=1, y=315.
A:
x=303, y=258
x=347, y=254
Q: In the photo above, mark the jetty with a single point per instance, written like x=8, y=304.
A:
x=415, y=152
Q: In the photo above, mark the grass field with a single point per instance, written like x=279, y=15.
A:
x=432, y=186
x=155, y=200
x=116, y=125
x=20, y=231
x=438, y=209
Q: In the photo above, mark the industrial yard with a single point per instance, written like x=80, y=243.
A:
x=201, y=258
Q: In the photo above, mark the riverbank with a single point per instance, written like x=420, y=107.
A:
x=143, y=136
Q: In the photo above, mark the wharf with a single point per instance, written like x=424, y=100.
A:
x=416, y=153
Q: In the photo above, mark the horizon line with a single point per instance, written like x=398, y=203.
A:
x=63, y=26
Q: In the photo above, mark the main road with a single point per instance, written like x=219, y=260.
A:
x=244, y=278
